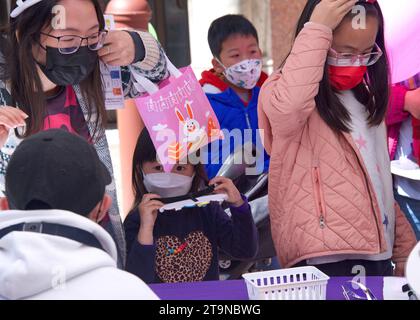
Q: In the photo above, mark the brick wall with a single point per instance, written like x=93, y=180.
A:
x=284, y=17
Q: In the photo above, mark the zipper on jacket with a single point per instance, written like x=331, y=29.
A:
x=370, y=197
x=319, y=197
x=322, y=222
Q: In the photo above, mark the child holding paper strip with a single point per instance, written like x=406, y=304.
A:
x=182, y=246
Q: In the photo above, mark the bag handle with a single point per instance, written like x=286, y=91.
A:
x=142, y=83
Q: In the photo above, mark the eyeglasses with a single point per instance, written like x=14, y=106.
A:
x=349, y=59
x=353, y=290
x=70, y=44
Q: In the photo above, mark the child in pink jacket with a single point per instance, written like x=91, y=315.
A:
x=404, y=141
x=330, y=189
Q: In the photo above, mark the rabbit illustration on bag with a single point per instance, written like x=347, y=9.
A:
x=193, y=132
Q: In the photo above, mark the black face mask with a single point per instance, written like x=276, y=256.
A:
x=69, y=69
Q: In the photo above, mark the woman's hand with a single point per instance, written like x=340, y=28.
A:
x=331, y=12
x=225, y=185
x=412, y=103
x=10, y=118
x=148, y=209
x=119, y=49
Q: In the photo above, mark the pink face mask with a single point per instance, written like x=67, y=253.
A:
x=244, y=74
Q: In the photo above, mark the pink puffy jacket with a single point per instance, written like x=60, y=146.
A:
x=321, y=198
x=395, y=117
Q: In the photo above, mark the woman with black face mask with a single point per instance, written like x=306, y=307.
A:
x=50, y=77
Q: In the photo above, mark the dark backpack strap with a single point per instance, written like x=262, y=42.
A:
x=58, y=230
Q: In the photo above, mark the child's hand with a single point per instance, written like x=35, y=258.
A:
x=331, y=12
x=148, y=213
x=148, y=210
x=225, y=185
x=412, y=103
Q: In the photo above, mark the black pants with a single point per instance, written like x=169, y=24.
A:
x=345, y=268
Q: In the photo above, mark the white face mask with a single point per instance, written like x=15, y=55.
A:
x=168, y=185
x=244, y=74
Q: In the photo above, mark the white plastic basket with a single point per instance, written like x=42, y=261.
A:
x=303, y=283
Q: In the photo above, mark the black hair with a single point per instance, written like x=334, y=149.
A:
x=374, y=93
x=224, y=27
x=145, y=152
x=18, y=66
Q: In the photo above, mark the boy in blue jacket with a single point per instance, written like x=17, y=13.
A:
x=233, y=86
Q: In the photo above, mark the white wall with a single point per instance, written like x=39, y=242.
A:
x=201, y=15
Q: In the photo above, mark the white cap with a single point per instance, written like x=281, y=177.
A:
x=22, y=5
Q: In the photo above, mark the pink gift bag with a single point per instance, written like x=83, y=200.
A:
x=177, y=115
